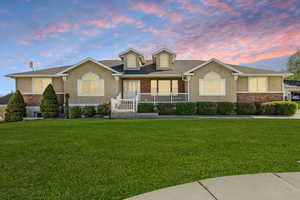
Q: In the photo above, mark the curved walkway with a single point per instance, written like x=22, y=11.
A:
x=269, y=186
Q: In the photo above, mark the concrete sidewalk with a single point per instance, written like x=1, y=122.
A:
x=269, y=186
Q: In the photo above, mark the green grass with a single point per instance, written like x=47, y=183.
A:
x=115, y=159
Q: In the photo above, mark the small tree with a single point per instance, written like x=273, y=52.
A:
x=294, y=66
x=16, y=108
x=49, y=105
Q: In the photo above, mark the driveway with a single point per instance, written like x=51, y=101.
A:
x=268, y=186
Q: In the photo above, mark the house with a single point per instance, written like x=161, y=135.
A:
x=161, y=79
x=292, y=90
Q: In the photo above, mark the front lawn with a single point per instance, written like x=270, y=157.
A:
x=115, y=159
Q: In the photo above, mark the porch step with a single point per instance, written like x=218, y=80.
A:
x=129, y=115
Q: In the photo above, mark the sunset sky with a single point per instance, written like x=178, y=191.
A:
x=63, y=32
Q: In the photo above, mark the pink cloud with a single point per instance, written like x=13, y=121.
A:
x=149, y=8
x=52, y=29
x=175, y=17
x=102, y=23
x=284, y=3
x=23, y=42
x=120, y=18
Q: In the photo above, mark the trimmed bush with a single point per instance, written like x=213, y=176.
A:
x=258, y=108
x=268, y=108
x=75, y=112
x=285, y=107
x=207, y=108
x=146, y=107
x=89, y=111
x=16, y=108
x=225, y=108
x=246, y=108
x=49, y=105
x=186, y=108
x=105, y=108
x=166, y=108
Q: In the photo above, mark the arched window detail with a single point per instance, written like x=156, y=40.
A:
x=212, y=85
x=90, y=84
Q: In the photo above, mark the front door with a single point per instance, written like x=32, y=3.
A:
x=130, y=88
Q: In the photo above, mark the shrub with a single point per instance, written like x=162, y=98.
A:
x=186, y=108
x=105, y=108
x=75, y=112
x=49, y=105
x=146, y=107
x=206, y=108
x=285, y=107
x=166, y=108
x=246, y=108
x=268, y=108
x=225, y=108
x=258, y=108
x=89, y=111
x=16, y=108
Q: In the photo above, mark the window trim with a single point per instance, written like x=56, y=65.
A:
x=83, y=80
x=266, y=82
x=202, y=86
x=33, y=84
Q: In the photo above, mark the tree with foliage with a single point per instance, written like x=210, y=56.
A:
x=16, y=108
x=49, y=105
x=294, y=66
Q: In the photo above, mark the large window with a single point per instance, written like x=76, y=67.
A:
x=164, y=60
x=40, y=84
x=164, y=87
x=90, y=85
x=131, y=61
x=257, y=84
x=212, y=85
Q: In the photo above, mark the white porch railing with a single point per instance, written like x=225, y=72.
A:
x=119, y=105
x=159, y=98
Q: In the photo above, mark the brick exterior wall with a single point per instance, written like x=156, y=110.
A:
x=259, y=97
x=146, y=83
x=35, y=99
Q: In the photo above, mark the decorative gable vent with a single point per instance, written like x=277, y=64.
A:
x=132, y=59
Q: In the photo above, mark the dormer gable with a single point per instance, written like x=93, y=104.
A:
x=163, y=59
x=132, y=59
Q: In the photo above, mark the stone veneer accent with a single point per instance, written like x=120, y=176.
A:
x=35, y=99
x=259, y=97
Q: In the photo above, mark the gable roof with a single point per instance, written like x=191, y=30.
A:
x=129, y=50
x=210, y=61
x=87, y=60
x=163, y=49
x=178, y=68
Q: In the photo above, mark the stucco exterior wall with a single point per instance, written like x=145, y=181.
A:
x=24, y=85
x=111, y=86
x=231, y=84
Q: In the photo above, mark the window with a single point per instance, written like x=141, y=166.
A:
x=131, y=61
x=257, y=84
x=153, y=86
x=40, y=84
x=164, y=60
x=90, y=85
x=164, y=87
x=175, y=86
x=212, y=85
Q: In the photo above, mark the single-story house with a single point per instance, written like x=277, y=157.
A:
x=161, y=79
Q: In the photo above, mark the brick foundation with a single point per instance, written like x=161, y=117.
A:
x=35, y=99
x=259, y=97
